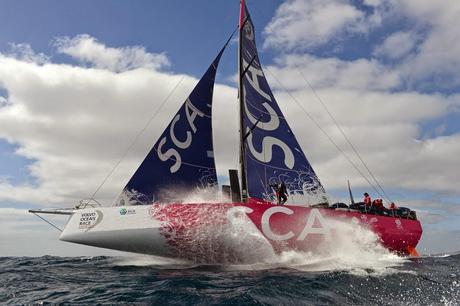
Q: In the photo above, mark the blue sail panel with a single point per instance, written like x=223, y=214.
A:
x=271, y=152
x=182, y=159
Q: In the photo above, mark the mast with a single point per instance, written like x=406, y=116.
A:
x=244, y=191
x=351, y=194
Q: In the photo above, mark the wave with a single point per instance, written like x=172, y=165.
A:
x=294, y=278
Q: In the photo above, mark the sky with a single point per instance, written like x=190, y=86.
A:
x=79, y=80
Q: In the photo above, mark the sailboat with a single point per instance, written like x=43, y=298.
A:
x=150, y=215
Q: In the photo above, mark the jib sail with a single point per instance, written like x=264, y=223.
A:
x=182, y=160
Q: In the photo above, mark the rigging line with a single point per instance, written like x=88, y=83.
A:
x=343, y=134
x=48, y=222
x=299, y=172
x=248, y=66
x=265, y=112
x=252, y=129
x=324, y=132
x=137, y=137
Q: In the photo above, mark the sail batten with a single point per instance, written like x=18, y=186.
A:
x=270, y=152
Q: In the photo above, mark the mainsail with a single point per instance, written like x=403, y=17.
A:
x=182, y=160
x=270, y=153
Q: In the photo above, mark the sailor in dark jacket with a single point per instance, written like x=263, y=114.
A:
x=281, y=192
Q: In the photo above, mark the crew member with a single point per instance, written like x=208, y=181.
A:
x=378, y=203
x=367, y=200
x=393, y=208
x=281, y=192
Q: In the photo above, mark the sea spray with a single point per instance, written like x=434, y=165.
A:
x=225, y=235
x=200, y=195
x=352, y=247
x=153, y=261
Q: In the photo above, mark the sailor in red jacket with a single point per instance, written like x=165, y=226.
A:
x=378, y=203
x=367, y=199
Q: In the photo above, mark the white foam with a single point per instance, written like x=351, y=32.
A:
x=150, y=260
x=203, y=195
x=351, y=248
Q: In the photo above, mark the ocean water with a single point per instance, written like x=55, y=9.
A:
x=296, y=279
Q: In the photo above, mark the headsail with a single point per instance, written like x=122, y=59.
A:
x=182, y=159
x=270, y=151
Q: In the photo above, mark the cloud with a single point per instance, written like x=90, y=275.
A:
x=426, y=43
x=434, y=63
x=3, y=101
x=361, y=74
x=88, y=50
x=397, y=45
x=24, y=52
x=305, y=24
x=374, y=3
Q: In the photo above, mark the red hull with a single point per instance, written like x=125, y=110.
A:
x=284, y=227
x=396, y=234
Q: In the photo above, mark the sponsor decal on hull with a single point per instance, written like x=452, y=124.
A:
x=127, y=211
x=314, y=224
x=90, y=219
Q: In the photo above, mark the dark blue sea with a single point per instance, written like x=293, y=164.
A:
x=430, y=280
